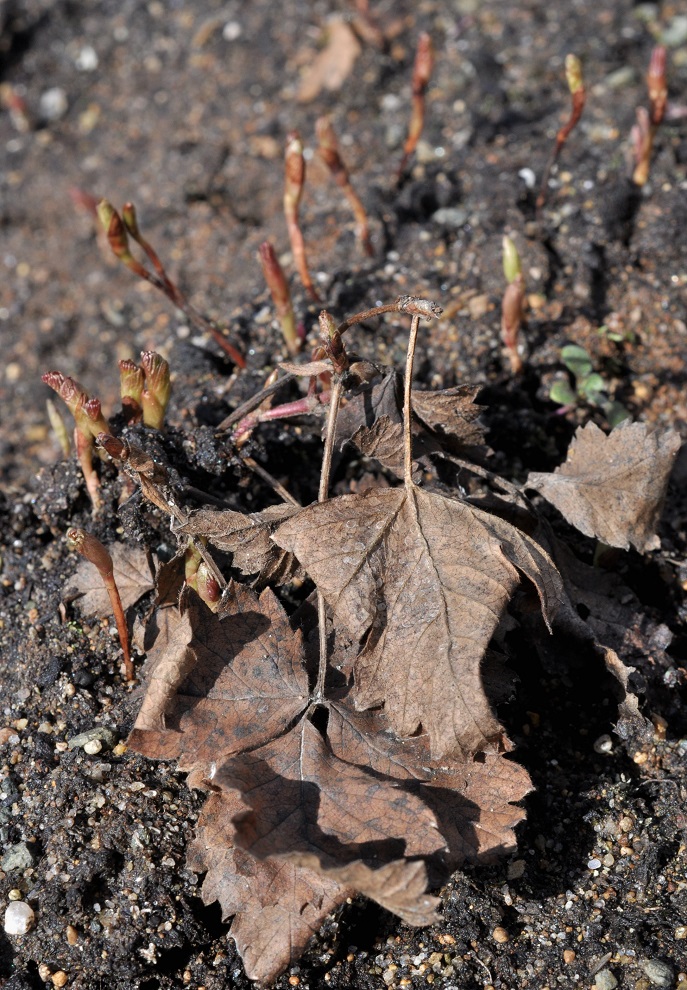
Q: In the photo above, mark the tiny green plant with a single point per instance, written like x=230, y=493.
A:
x=588, y=386
x=512, y=312
x=578, y=97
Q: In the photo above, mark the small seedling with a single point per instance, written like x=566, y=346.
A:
x=578, y=94
x=94, y=551
x=281, y=297
x=328, y=149
x=155, y=395
x=89, y=422
x=119, y=229
x=422, y=73
x=294, y=180
x=648, y=121
x=512, y=304
x=589, y=386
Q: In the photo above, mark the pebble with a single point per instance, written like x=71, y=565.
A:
x=605, y=980
x=17, y=857
x=569, y=956
x=92, y=747
x=106, y=737
x=19, y=918
x=594, y=864
x=604, y=744
x=659, y=972
x=675, y=33
x=53, y=103
x=500, y=935
x=450, y=216
x=59, y=978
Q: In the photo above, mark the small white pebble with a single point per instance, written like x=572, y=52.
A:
x=87, y=59
x=53, y=103
x=93, y=746
x=231, y=31
x=594, y=864
x=528, y=177
x=19, y=918
x=604, y=744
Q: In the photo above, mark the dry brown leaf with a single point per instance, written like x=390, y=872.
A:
x=222, y=685
x=248, y=538
x=429, y=577
x=451, y=413
x=333, y=65
x=132, y=572
x=383, y=441
x=612, y=487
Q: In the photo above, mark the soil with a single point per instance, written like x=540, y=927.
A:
x=184, y=109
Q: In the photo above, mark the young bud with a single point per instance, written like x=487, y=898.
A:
x=642, y=140
x=131, y=382
x=511, y=260
x=118, y=238
x=511, y=320
x=94, y=551
x=90, y=417
x=281, y=296
x=657, y=85
x=573, y=74
x=155, y=396
x=328, y=149
x=294, y=178
x=198, y=576
x=131, y=221
x=422, y=73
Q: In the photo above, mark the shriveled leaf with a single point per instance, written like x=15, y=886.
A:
x=370, y=403
x=248, y=538
x=223, y=685
x=612, y=487
x=333, y=65
x=300, y=798
x=132, y=573
x=383, y=441
x=451, y=412
x=277, y=905
x=429, y=577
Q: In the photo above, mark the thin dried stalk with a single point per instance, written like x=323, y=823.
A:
x=644, y=131
x=281, y=296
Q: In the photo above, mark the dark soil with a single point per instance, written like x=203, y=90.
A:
x=184, y=109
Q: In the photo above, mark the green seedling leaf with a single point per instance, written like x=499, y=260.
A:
x=563, y=394
x=593, y=388
x=615, y=413
x=576, y=360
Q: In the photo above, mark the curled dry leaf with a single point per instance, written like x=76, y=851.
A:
x=248, y=538
x=429, y=578
x=612, y=487
x=132, y=573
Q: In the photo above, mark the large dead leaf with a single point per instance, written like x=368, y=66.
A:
x=248, y=538
x=612, y=487
x=132, y=573
x=429, y=577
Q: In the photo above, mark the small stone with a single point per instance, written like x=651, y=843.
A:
x=659, y=972
x=516, y=869
x=450, y=216
x=106, y=737
x=17, y=857
x=44, y=972
x=93, y=746
x=15, y=894
x=59, y=978
x=681, y=932
x=594, y=864
x=72, y=935
x=569, y=956
x=605, y=980
x=608, y=859
x=675, y=34
x=53, y=103
x=500, y=935
x=19, y=918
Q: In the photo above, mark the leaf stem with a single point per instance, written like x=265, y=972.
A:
x=322, y=495
x=407, y=435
